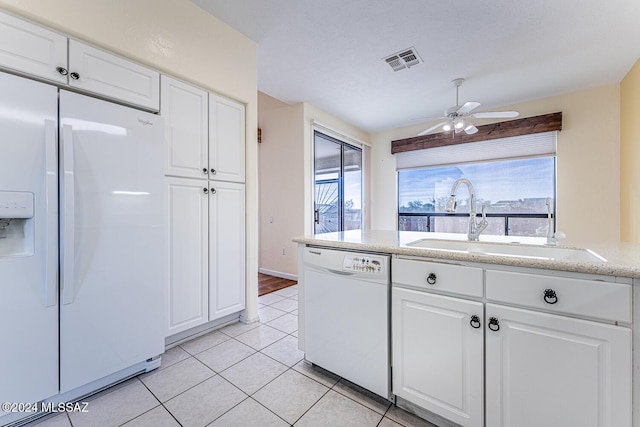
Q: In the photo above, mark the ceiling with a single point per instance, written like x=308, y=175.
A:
x=329, y=52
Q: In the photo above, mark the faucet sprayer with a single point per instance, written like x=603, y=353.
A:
x=552, y=236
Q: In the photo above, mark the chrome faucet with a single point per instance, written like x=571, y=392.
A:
x=475, y=228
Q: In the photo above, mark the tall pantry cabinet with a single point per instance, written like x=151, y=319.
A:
x=204, y=176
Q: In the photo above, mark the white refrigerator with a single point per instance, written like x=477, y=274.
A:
x=82, y=242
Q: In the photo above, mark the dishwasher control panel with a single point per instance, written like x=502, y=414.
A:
x=363, y=263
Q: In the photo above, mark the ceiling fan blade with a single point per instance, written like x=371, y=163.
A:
x=495, y=115
x=470, y=129
x=468, y=107
x=434, y=127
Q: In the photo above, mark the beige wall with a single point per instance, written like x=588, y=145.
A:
x=286, y=178
x=588, y=181
x=281, y=172
x=630, y=155
x=176, y=37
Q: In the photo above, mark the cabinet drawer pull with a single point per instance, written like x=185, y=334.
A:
x=494, y=324
x=475, y=322
x=431, y=279
x=205, y=171
x=213, y=190
x=213, y=172
x=63, y=71
x=205, y=190
x=74, y=76
x=550, y=296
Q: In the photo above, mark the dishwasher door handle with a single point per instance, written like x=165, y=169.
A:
x=328, y=270
x=341, y=273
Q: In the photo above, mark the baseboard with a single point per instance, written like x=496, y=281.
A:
x=278, y=274
x=189, y=334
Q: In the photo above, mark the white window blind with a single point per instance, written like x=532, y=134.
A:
x=532, y=145
x=338, y=134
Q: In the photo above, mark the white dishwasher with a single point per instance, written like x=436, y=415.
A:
x=346, y=297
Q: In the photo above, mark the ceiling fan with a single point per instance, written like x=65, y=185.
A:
x=459, y=117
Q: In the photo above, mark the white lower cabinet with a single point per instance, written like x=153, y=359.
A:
x=542, y=365
x=438, y=354
x=226, y=249
x=554, y=371
x=188, y=266
x=206, y=258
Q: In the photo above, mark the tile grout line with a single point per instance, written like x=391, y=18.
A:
x=215, y=373
x=160, y=404
x=184, y=391
x=314, y=404
x=237, y=404
x=289, y=369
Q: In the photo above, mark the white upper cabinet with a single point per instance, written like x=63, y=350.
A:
x=31, y=49
x=97, y=71
x=226, y=139
x=185, y=111
x=37, y=51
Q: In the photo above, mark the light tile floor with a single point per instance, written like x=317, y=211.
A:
x=241, y=375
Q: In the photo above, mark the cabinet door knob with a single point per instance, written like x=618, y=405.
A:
x=205, y=171
x=550, y=296
x=475, y=322
x=494, y=324
x=213, y=172
x=74, y=76
x=213, y=190
x=431, y=279
x=205, y=190
x=63, y=71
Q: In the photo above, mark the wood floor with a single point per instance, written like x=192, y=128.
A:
x=268, y=284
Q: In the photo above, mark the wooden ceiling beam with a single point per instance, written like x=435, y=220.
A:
x=518, y=127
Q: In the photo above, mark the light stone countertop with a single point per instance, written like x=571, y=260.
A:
x=622, y=259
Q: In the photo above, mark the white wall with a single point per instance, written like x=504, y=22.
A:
x=588, y=180
x=176, y=37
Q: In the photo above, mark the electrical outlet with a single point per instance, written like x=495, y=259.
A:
x=284, y=251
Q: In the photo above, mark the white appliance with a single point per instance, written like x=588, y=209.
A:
x=103, y=319
x=346, y=297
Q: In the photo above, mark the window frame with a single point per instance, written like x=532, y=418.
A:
x=340, y=179
x=505, y=215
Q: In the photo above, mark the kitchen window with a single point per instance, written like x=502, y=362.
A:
x=518, y=192
x=337, y=185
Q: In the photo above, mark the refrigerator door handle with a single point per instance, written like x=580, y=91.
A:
x=51, y=202
x=67, y=231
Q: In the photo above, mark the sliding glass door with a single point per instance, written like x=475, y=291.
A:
x=337, y=185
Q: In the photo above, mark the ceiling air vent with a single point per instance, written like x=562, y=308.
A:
x=404, y=59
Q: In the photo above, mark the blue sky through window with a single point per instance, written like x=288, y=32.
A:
x=510, y=181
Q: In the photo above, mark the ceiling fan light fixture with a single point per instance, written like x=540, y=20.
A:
x=459, y=117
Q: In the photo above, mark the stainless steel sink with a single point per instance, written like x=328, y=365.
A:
x=509, y=250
